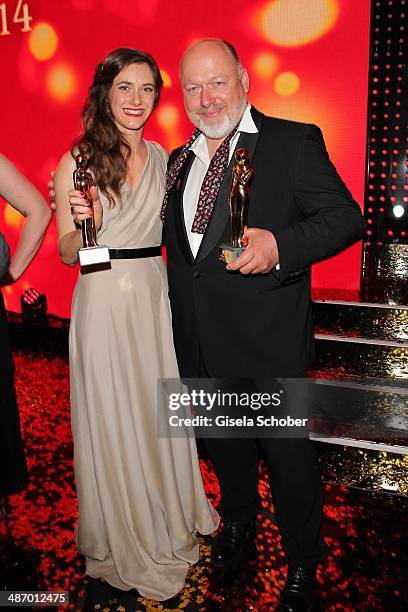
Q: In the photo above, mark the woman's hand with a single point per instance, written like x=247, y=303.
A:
x=81, y=209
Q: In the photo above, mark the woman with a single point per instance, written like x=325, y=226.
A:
x=141, y=498
x=25, y=198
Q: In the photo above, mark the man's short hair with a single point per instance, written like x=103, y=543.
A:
x=230, y=48
x=235, y=55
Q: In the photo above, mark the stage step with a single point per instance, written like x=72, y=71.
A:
x=371, y=321
x=371, y=470
x=366, y=413
x=338, y=356
x=363, y=442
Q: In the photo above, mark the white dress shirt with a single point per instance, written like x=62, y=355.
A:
x=198, y=171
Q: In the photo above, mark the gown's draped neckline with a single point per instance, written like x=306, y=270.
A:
x=132, y=189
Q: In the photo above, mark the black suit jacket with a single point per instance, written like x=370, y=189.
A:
x=259, y=325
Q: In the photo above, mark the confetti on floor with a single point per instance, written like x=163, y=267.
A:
x=366, y=532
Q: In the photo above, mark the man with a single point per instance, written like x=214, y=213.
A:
x=252, y=318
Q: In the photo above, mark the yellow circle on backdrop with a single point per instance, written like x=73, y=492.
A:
x=166, y=78
x=43, y=41
x=13, y=217
x=61, y=82
x=290, y=23
x=167, y=116
x=287, y=83
x=265, y=64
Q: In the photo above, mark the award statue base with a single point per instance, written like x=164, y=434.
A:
x=92, y=256
x=228, y=253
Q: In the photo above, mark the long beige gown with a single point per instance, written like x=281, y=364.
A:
x=141, y=497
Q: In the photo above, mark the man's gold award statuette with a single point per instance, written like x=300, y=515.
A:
x=91, y=254
x=238, y=200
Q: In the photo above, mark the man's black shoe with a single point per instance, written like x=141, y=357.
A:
x=230, y=543
x=299, y=593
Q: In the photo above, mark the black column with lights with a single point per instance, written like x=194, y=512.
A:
x=385, y=252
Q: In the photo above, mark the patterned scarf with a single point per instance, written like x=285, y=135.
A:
x=211, y=183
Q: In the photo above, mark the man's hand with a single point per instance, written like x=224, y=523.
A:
x=51, y=192
x=260, y=256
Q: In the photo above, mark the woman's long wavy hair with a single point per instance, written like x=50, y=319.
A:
x=101, y=140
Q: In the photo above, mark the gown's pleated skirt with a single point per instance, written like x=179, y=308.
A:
x=141, y=497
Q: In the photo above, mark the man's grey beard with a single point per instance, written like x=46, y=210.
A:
x=222, y=129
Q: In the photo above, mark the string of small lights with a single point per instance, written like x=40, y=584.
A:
x=386, y=200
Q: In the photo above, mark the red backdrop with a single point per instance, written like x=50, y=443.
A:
x=308, y=60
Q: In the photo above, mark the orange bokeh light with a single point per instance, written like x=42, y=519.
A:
x=13, y=217
x=166, y=78
x=308, y=107
x=168, y=116
x=291, y=23
x=61, y=82
x=43, y=41
x=286, y=83
x=265, y=64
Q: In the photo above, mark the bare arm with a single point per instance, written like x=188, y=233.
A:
x=25, y=198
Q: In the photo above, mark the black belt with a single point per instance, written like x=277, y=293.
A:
x=135, y=253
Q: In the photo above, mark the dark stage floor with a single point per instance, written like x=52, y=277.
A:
x=366, y=532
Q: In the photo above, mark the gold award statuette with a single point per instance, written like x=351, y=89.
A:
x=91, y=254
x=238, y=200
